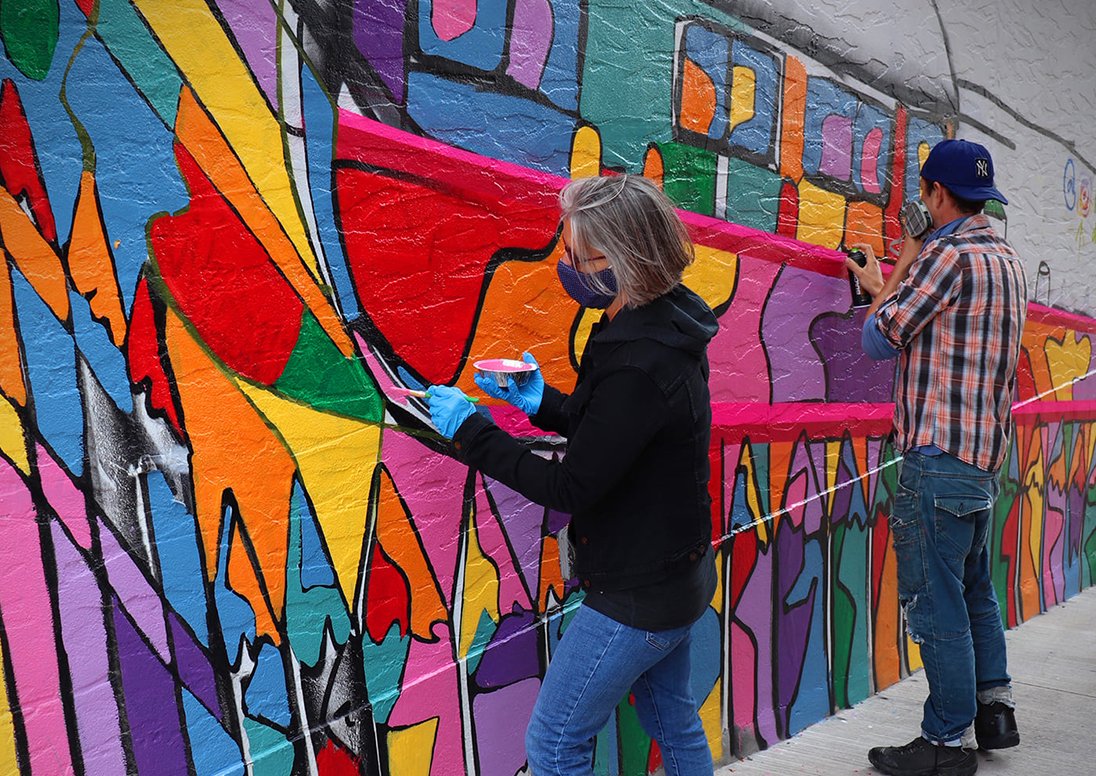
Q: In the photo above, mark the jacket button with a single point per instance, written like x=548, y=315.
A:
x=583, y=540
x=456, y=445
x=693, y=556
x=586, y=584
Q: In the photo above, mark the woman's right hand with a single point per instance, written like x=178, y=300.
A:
x=526, y=395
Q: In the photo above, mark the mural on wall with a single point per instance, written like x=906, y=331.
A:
x=231, y=230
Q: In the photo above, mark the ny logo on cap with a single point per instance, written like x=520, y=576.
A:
x=981, y=168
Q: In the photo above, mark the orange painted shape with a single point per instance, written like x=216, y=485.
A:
x=33, y=255
x=400, y=542
x=233, y=461
x=551, y=576
x=780, y=461
x=243, y=579
x=888, y=665
x=90, y=263
x=653, y=166
x=793, y=119
x=11, y=372
x=697, y=99
x=205, y=143
x=864, y=223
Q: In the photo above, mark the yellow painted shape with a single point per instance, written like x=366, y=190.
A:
x=864, y=223
x=713, y=275
x=821, y=216
x=1068, y=361
x=411, y=749
x=743, y=95
x=923, y=149
x=217, y=73
x=586, y=153
x=33, y=255
x=90, y=263
x=833, y=458
x=331, y=453
x=717, y=597
x=8, y=761
x=711, y=719
x=481, y=589
x=233, y=449
x=586, y=320
x=213, y=153
x=12, y=442
x=913, y=653
x=11, y=369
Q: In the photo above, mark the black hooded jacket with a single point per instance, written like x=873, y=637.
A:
x=635, y=477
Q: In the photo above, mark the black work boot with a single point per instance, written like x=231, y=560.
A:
x=921, y=757
x=995, y=726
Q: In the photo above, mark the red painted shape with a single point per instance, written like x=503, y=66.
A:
x=880, y=537
x=892, y=227
x=143, y=356
x=421, y=223
x=787, y=213
x=87, y=6
x=743, y=559
x=1009, y=550
x=387, y=598
x=333, y=760
x=18, y=161
x=654, y=758
x=1025, y=378
x=225, y=283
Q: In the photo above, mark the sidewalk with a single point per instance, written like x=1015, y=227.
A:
x=1052, y=659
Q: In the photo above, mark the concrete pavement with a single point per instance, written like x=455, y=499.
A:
x=1052, y=659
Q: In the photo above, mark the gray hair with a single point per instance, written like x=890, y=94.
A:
x=629, y=220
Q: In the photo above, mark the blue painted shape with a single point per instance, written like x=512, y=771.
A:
x=319, y=138
x=812, y=699
x=234, y=613
x=271, y=753
x=60, y=156
x=710, y=52
x=740, y=506
x=105, y=361
x=758, y=135
x=135, y=165
x=918, y=131
x=495, y=125
x=50, y=357
x=481, y=46
x=212, y=750
x=824, y=99
x=266, y=695
x=704, y=655
x=384, y=664
x=869, y=117
x=316, y=569
x=180, y=555
x=560, y=80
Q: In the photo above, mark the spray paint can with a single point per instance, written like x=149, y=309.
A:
x=860, y=297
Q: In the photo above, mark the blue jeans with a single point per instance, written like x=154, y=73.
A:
x=940, y=523
x=595, y=665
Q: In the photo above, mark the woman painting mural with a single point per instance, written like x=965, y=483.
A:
x=635, y=477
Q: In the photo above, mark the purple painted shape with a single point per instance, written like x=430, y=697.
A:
x=755, y=612
x=557, y=521
x=255, y=27
x=530, y=41
x=793, y=624
x=137, y=595
x=522, y=520
x=796, y=298
x=850, y=375
x=498, y=714
x=85, y=637
x=511, y=654
x=836, y=147
x=195, y=670
x=378, y=34
x=153, y=711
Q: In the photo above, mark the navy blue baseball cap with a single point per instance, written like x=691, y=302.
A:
x=964, y=168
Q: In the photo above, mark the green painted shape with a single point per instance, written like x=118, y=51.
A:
x=753, y=195
x=852, y=664
x=628, y=70
x=635, y=745
x=140, y=56
x=271, y=753
x=485, y=629
x=28, y=29
x=320, y=376
x=383, y=665
x=1089, y=530
x=689, y=177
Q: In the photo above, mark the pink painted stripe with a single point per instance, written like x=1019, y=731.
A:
x=1057, y=410
x=1049, y=315
x=28, y=624
x=66, y=499
x=771, y=422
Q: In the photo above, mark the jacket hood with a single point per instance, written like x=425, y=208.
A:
x=678, y=319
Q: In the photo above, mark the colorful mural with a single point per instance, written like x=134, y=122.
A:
x=232, y=229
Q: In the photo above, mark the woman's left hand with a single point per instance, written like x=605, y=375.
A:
x=449, y=408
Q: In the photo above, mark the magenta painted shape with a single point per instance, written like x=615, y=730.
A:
x=836, y=147
x=452, y=18
x=29, y=629
x=136, y=594
x=493, y=542
x=530, y=41
x=255, y=27
x=66, y=499
x=869, y=161
x=84, y=633
x=739, y=367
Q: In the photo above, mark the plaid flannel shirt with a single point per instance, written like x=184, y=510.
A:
x=957, y=320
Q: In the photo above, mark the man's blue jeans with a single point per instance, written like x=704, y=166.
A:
x=940, y=524
x=595, y=665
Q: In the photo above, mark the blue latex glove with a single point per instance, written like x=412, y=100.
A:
x=449, y=407
x=525, y=395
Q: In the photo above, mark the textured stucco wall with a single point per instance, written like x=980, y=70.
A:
x=233, y=229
